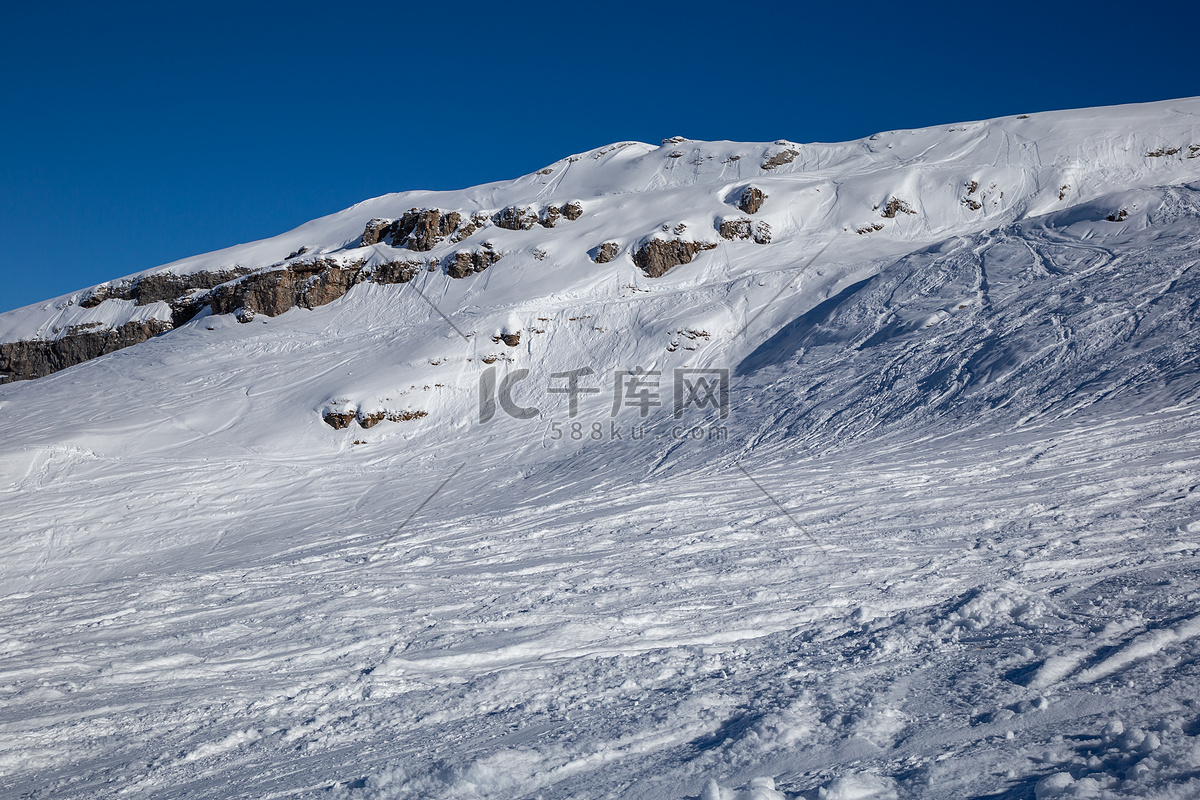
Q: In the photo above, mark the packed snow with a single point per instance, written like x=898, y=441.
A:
x=943, y=545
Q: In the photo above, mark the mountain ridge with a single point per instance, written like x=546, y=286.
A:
x=897, y=183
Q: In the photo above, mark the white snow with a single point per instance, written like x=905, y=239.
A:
x=943, y=545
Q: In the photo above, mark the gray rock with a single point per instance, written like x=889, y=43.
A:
x=26, y=360
x=657, y=256
x=605, y=252
x=515, y=218
x=751, y=199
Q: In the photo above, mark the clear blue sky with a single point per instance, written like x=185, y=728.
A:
x=135, y=134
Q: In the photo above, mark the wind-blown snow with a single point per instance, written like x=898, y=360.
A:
x=945, y=547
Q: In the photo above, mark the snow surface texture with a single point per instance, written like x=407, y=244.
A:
x=945, y=545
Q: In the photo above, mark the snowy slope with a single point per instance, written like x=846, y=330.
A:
x=944, y=545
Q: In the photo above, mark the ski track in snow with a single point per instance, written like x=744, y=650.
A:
x=981, y=580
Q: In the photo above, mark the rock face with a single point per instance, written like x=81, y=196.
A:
x=306, y=284
x=469, y=262
x=271, y=292
x=516, y=218
x=376, y=231
x=420, y=229
x=896, y=206
x=476, y=222
x=165, y=286
x=751, y=199
x=35, y=359
x=510, y=339
x=428, y=228
x=785, y=156
x=340, y=420
x=657, y=256
x=522, y=218
x=745, y=228
x=605, y=252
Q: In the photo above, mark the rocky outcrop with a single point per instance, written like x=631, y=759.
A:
x=516, y=218
x=163, y=286
x=340, y=420
x=751, y=199
x=396, y=271
x=510, y=339
x=26, y=360
x=744, y=229
x=376, y=231
x=896, y=206
x=605, y=252
x=476, y=222
x=470, y=262
x=429, y=227
x=522, y=218
x=657, y=256
x=269, y=292
x=785, y=156
x=420, y=229
x=306, y=284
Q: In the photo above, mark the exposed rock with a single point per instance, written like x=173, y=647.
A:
x=376, y=231
x=431, y=228
x=297, y=253
x=272, y=292
x=751, y=199
x=307, y=284
x=420, y=229
x=605, y=252
x=106, y=291
x=1119, y=216
x=572, y=210
x=395, y=272
x=476, y=222
x=762, y=232
x=238, y=290
x=510, y=339
x=657, y=256
x=785, y=156
x=371, y=420
x=338, y=419
x=549, y=216
x=896, y=206
x=469, y=262
x=735, y=228
x=872, y=228
x=162, y=286
x=168, y=286
x=26, y=360
x=516, y=218
x=744, y=228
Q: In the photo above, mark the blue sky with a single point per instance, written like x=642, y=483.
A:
x=135, y=134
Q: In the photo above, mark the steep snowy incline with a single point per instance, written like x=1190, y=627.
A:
x=945, y=543
x=876, y=198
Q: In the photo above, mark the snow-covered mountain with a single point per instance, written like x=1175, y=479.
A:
x=706, y=469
